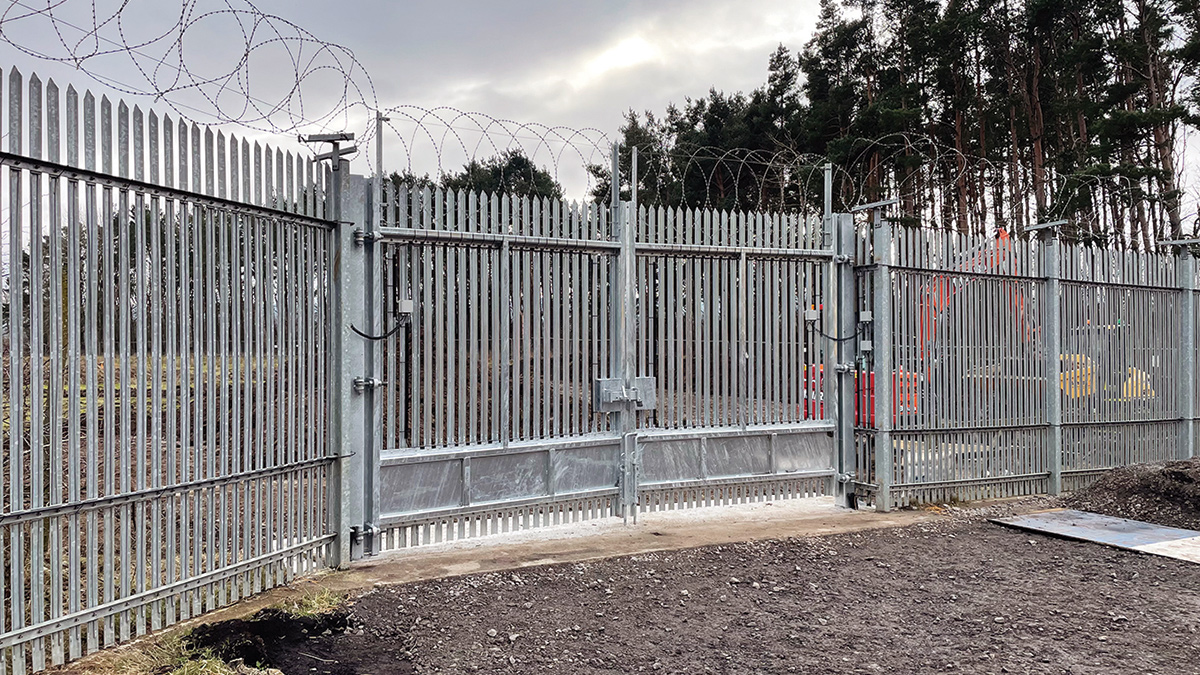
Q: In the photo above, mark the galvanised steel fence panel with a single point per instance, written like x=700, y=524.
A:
x=1019, y=366
x=165, y=312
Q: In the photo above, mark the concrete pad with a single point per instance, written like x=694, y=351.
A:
x=660, y=531
x=1180, y=549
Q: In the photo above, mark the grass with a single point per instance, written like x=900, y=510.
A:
x=170, y=655
x=313, y=603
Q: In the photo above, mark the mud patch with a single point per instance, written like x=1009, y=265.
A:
x=1166, y=493
x=326, y=644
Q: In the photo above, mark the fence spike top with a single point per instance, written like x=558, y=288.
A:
x=89, y=131
x=233, y=168
x=53, y=150
x=182, y=140
x=168, y=151
x=35, y=116
x=123, y=139
x=72, y=126
x=14, y=111
x=154, y=172
x=209, y=161
x=139, y=139
x=106, y=135
x=221, y=165
x=197, y=159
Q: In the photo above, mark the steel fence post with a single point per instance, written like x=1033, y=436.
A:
x=845, y=346
x=618, y=370
x=1052, y=347
x=1187, y=360
x=349, y=360
x=883, y=371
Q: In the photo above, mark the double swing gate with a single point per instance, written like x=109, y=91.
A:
x=533, y=362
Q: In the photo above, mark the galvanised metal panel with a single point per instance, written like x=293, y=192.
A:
x=1088, y=447
x=586, y=468
x=714, y=454
x=739, y=456
x=664, y=461
x=497, y=478
x=800, y=451
x=418, y=487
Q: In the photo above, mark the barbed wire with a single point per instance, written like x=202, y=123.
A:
x=167, y=59
x=456, y=137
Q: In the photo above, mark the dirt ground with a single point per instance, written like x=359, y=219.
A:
x=949, y=592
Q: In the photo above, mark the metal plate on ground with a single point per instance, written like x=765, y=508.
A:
x=1133, y=535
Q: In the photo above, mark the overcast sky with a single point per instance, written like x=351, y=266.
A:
x=575, y=64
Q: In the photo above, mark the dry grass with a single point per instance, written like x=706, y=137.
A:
x=312, y=603
x=170, y=655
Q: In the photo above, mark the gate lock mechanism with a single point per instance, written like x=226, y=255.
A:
x=612, y=395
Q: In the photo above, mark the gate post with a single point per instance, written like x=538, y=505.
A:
x=884, y=368
x=623, y=345
x=349, y=411
x=1187, y=360
x=1052, y=347
x=843, y=340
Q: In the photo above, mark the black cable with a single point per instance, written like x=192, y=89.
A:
x=857, y=333
x=377, y=337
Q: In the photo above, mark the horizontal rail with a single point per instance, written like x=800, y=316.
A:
x=417, y=235
x=990, y=480
x=422, y=236
x=705, y=250
x=53, y=626
x=415, y=456
x=966, y=274
x=1067, y=281
x=406, y=517
x=653, y=435
x=741, y=479
x=74, y=173
x=897, y=431
x=86, y=505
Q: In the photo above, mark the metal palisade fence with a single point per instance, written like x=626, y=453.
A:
x=166, y=303
x=225, y=365
x=1003, y=366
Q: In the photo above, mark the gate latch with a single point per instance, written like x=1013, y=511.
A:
x=612, y=395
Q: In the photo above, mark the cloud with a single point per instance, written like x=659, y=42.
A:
x=568, y=64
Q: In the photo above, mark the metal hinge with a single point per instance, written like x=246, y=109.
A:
x=844, y=367
x=364, y=383
x=361, y=236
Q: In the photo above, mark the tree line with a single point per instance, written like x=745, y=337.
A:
x=976, y=114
